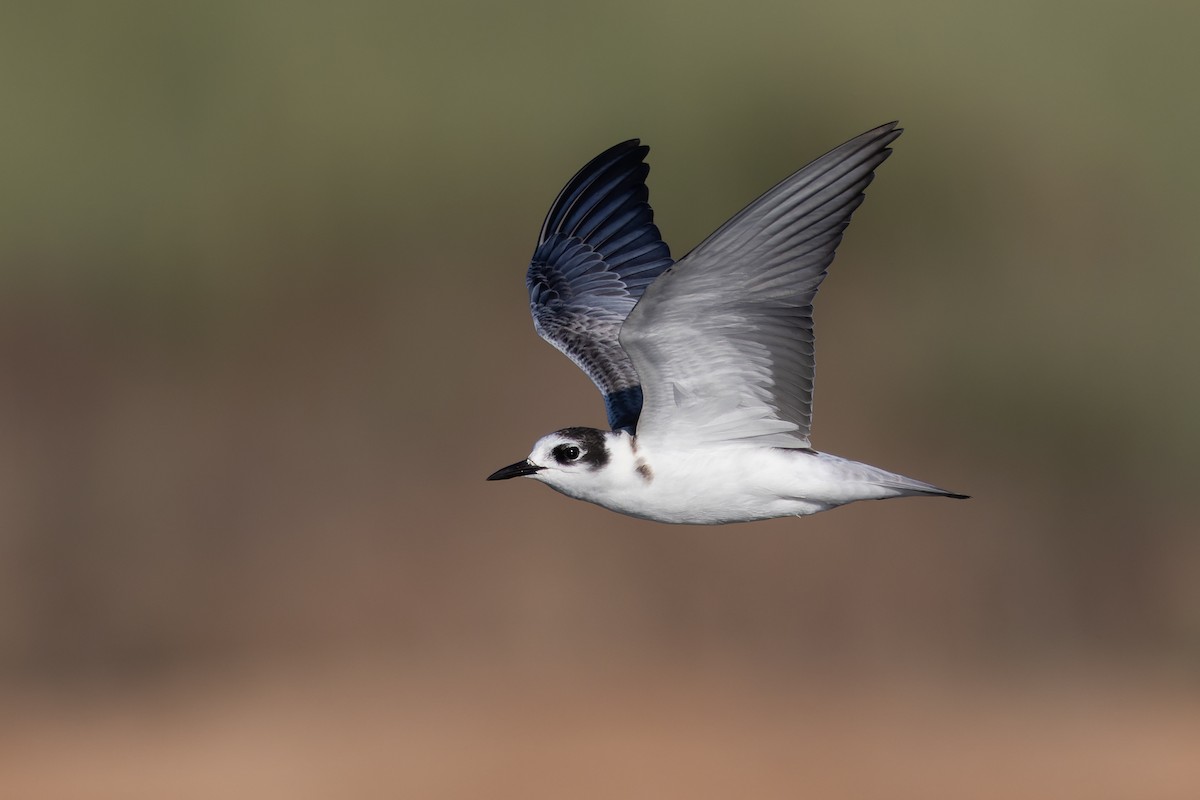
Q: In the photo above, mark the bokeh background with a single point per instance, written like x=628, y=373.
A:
x=263, y=334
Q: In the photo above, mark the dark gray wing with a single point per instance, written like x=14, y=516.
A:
x=724, y=340
x=598, y=251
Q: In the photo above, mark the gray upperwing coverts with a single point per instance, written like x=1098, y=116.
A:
x=723, y=341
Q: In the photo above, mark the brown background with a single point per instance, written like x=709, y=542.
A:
x=263, y=334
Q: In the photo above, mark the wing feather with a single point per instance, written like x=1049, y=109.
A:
x=723, y=341
x=597, y=252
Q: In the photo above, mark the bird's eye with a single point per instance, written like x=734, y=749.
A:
x=566, y=453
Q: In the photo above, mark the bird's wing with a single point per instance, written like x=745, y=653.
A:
x=598, y=251
x=723, y=341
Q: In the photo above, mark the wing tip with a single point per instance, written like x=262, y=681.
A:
x=882, y=135
x=633, y=145
x=631, y=153
x=890, y=137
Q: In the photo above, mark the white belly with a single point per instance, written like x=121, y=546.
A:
x=731, y=485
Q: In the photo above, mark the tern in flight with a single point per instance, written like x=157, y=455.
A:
x=705, y=364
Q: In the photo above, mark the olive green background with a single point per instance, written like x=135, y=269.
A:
x=263, y=333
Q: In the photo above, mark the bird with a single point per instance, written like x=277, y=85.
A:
x=706, y=363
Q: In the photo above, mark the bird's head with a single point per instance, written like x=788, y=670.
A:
x=566, y=460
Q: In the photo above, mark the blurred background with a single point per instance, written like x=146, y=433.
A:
x=263, y=333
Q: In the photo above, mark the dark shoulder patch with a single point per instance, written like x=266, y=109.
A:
x=592, y=442
x=624, y=407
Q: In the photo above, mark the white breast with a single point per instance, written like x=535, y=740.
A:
x=715, y=485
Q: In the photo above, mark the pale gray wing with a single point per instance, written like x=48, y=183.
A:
x=598, y=251
x=723, y=341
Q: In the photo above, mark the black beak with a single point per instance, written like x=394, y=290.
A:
x=517, y=470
